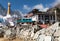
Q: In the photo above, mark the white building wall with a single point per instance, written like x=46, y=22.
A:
x=35, y=18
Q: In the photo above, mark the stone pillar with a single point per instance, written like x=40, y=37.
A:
x=40, y=17
x=52, y=19
x=44, y=18
x=49, y=19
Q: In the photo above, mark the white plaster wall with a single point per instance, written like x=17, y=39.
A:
x=35, y=18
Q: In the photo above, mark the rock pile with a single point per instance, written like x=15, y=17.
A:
x=51, y=33
x=26, y=32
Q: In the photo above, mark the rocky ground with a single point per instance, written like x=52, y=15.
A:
x=26, y=33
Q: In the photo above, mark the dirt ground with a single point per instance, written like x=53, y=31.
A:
x=5, y=39
x=17, y=39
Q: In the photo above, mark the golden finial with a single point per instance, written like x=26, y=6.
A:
x=8, y=11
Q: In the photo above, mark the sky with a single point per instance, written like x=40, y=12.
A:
x=25, y=6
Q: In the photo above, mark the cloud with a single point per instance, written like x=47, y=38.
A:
x=26, y=7
x=45, y=9
x=56, y=2
x=40, y=7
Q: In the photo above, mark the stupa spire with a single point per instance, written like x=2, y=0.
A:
x=8, y=11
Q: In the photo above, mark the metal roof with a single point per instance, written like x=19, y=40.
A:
x=24, y=20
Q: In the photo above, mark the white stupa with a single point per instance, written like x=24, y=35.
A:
x=8, y=12
x=8, y=17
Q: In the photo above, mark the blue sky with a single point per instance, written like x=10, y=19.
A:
x=27, y=5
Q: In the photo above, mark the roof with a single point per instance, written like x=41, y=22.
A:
x=29, y=15
x=24, y=20
x=43, y=26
